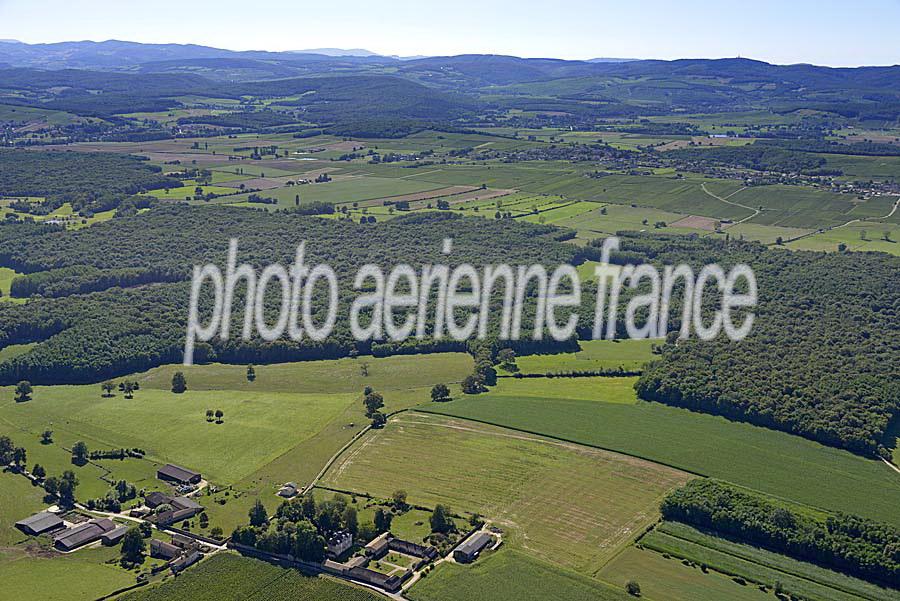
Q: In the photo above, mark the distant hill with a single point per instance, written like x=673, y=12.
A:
x=337, y=52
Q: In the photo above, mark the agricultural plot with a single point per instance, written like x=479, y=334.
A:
x=864, y=167
x=804, y=580
x=593, y=355
x=562, y=503
x=669, y=579
x=230, y=576
x=82, y=576
x=773, y=462
x=601, y=389
x=608, y=219
x=767, y=234
x=339, y=191
x=859, y=236
x=507, y=575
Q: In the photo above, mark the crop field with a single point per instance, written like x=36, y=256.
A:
x=507, y=575
x=864, y=167
x=230, y=576
x=669, y=579
x=562, y=503
x=773, y=462
x=612, y=218
x=767, y=234
x=759, y=566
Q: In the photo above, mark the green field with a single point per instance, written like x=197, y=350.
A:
x=594, y=355
x=81, y=576
x=230, y=576
x=759, y=566
x=859, y=236
x=507, y=575
x=599, y=388
x=568, y=505
x=664, y=579
x=773, y=462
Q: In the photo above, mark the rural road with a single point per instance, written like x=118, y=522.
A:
x=734, y=204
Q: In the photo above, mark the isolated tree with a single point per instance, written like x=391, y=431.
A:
x=251, y=373
x=378, y=419
x=258, y=514
x=886, y=236
x=862, y=234
x=67, y=485
x=399, y=499
x=633, y=588
x=440, y=520
x=179, y=383
x=219, y=415
x=209, y=415
x=364, y=370
x=38, y=471
x=383, y=520
x=129, y=390
x=350, y=519
x=472, y=385
x=20, y=456
x=373, y=402
x=216, y=532
x=507, y=358
x=108, y=388
x=440, y=392
x=23, y=391
x=133, y=547
x=46, y=436
x=79, y=453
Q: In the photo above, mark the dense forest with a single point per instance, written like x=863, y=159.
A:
x=115, y=330
x=822, y=358
x=89, y=180
x=754, y=156
x=860, y=547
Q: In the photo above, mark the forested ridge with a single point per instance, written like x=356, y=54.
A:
x=114, y=330
x=822, y=359
x=86, y=179
x=857, y=546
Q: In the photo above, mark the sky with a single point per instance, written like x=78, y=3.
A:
x=825, y=32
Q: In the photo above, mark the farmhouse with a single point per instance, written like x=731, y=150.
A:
x=339, y=542
x=163, y=550
x=185, y=561
x=40, y=523
x=178, y=474
x=83, y=534
x=468, y=551
x=167, y=518
x=155, y=499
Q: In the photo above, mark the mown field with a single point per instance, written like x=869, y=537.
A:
x=773, y=462
x=507, y=575
x=564, y=504
x=859, y=236
x=230, y=576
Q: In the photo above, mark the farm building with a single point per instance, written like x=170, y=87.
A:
x=339, y=542
x=83, y=534
x=288, y=490
x=171, y=516
x=40, y=523
x=378, y=546
x=184, y=561
x=177, y=474
x=155, y=499
x=163, y=550
x=469, y=550
x=389, y=583
x=114, y=536
x=408, y=548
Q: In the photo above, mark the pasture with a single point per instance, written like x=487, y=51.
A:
x=562, y=503
x=593, y=355
x=859, y=236
x=805, y=580
x=508, y=575
x=772, y=462
x=669, y=579
x=601, y=388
